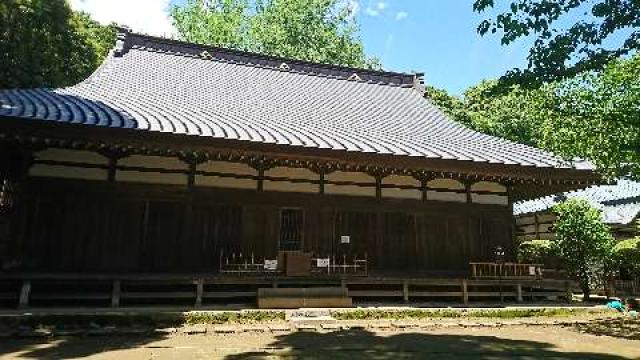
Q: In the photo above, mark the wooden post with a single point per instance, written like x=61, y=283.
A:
x=260, y=179
x=322, y=182
x=25, y=291
x=465, y=292
x=519, y=293
x=405, y=290
x=424, y=189
x=111, y=172
x=115, y=294
x=199, y=292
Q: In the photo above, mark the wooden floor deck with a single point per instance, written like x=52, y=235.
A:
x=197, y=290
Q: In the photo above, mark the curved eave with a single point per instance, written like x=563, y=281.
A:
x=39, y=133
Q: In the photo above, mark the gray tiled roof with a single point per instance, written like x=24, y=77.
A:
x=620, y=203
x=161, y=85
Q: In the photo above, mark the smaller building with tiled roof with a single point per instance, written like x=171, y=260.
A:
x=619, y=203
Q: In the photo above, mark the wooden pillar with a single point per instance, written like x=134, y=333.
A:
x=519, y=293
x=111, y=171
x=115, y=294
x=405, y=290
x=467, y=188
x=424, y=189
x=25, y=292
x=378, y=187
x=322, y=181
x=465, y=292
x=199, y=292
x=191, y=176
x=260, y=179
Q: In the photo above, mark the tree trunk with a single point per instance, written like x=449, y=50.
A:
x=586, y=291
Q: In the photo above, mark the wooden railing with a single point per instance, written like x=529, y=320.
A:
x=341, y=264
x=246, y=264
x=489, y=270
x=625, y=287
x=239, y=264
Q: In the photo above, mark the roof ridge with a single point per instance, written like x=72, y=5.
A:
x=127, y=40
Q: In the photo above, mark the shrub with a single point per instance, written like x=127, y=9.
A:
x=584, y=243
x=626, y=254
x=537, y=252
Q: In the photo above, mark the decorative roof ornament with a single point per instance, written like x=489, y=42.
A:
x=205, y=55
x=121, y=47
x=354, y=77
x=284, y=67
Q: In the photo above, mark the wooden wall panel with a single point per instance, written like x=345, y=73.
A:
x=77, y=226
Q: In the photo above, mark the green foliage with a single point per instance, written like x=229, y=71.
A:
x=513, y=114
x=224, y=23
x=537, y=252
x=626, y=253
x=584, y=242
x=242, y=317
x=451, y=105
x=597, y=116
x=594, y=116
x=317, y=30
x=417, y=314
x=564, y=46
x=45, y=44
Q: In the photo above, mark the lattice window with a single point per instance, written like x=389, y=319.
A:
x=291, y=229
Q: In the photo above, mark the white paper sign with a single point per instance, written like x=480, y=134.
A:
x=322, y=263
x=271, y=264
x=532, y=270
x=345, y=239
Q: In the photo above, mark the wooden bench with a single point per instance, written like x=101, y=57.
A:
x=294, y=298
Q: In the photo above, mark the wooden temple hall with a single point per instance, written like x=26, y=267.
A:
x=186, y=162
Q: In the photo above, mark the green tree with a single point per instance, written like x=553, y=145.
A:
x=451, y=105
x=222, y=23
x=537, y=252
x=627, y=256
x=513, y=114
x=597, y=116
x=571, y=36
x=584, y=243
x=316, y=30
x=43, y=43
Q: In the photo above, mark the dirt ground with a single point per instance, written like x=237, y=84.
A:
x=508, y=342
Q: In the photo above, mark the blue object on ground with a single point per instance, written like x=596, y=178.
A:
x=616, y=305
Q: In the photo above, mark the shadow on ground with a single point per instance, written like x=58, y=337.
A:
x=623, y=328
x=72, y=347
x=345, y=344
x=362, y=344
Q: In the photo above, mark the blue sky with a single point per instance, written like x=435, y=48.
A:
x=437, y=37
